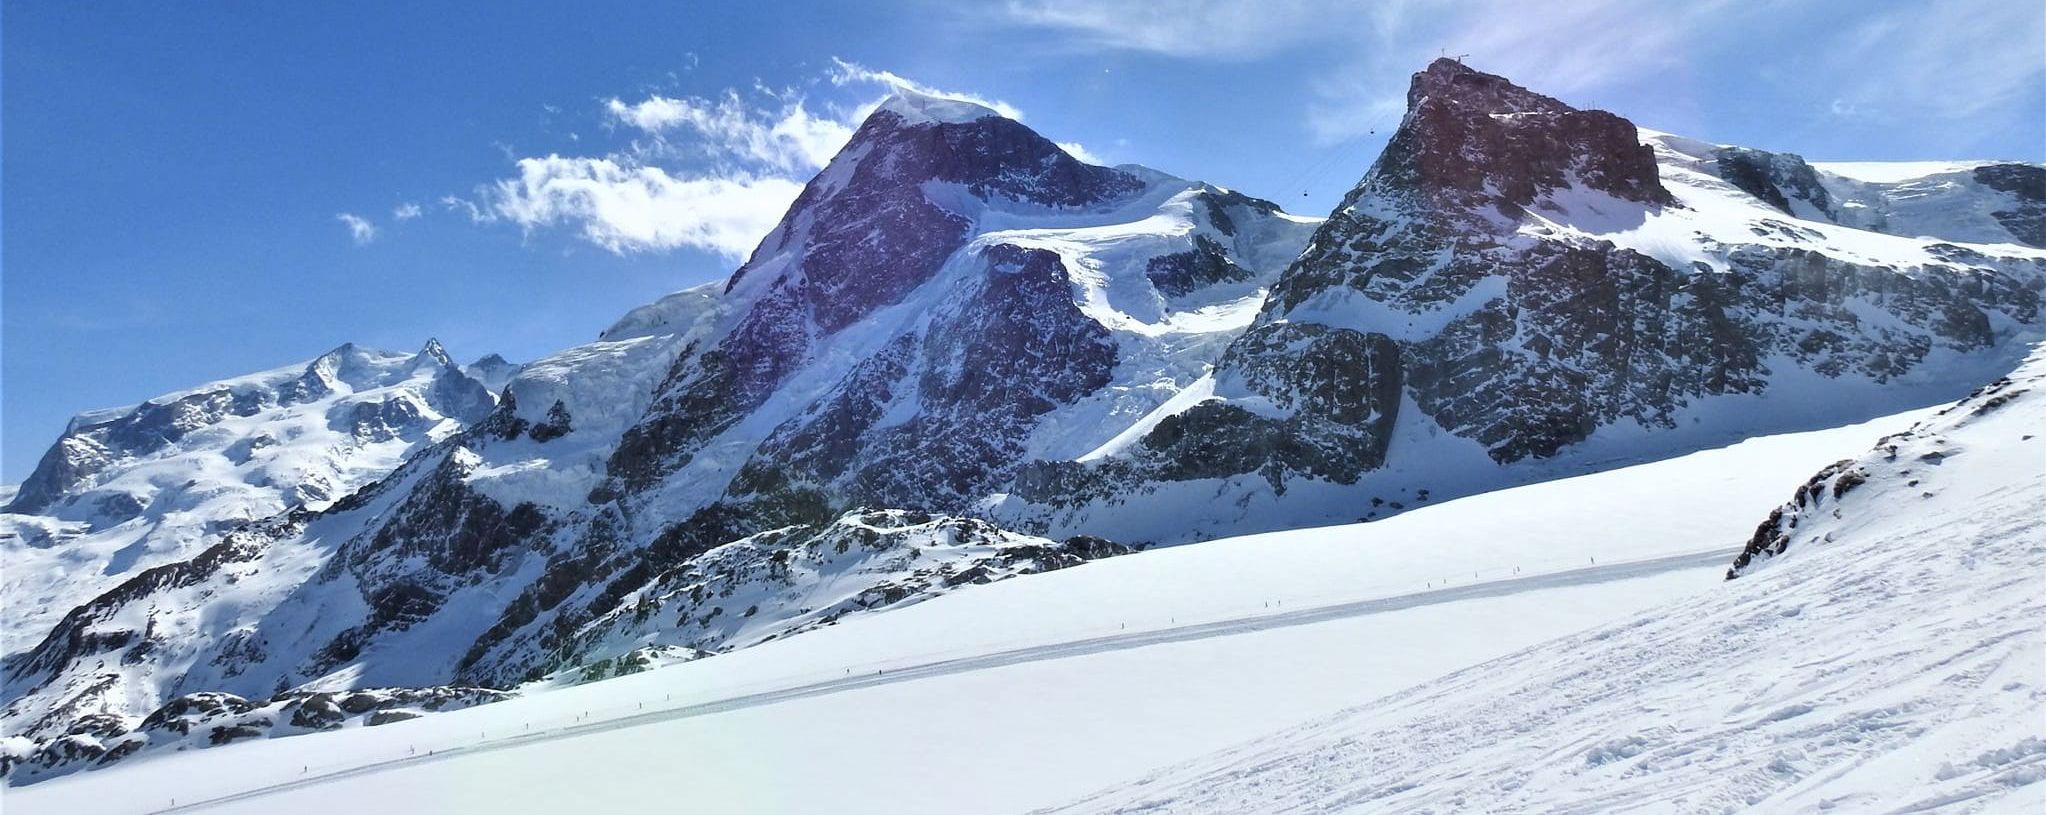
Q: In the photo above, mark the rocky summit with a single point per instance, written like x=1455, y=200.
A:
x=1517, y=284
x=964, y=355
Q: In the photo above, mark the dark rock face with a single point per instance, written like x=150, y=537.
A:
x=794, y=579
x=856, y=240
x=1436, y=280
x=849, y=273
x=558, y=424
x=195, y=710
x=1776, y=178
x=1429, y=224
x=936, y=418
x=1219, y=201
x=1014, y=349
x=210, y=719
x=383, y=717
x=438, y=539
x=1584, y=336
x=1340, y=389
x=1898, y=460
x=378, y=421
x=1473, y=153
x=1585, y=333
x=1473, y=138
x=1183, y=273
x=2027, y=184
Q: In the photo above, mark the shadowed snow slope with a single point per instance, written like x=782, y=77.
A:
x=1891, y=658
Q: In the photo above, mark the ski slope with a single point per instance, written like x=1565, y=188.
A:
x=1887, y=655
x=1032, y=692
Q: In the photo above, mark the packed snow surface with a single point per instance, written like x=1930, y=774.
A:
x=1031, y=692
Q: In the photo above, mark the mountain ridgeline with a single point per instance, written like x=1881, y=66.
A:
x=964, y=354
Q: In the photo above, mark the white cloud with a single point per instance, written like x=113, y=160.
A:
x=1558, y=48
x=1976, y=60
x=852, y=73
x=1080, y=151
x=713, y=174
x=788, y=139
x=1940, y=61
x=625, y=208
x=1207, y=29
x=359, y=227
x=1566, y=50
x=407, y=211
x=475, y=211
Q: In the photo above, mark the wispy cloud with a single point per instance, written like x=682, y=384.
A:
x=1202, y=29
x=1561, y=49
x=710, y=173
x=1080, y=151
x=1913, y=62
x=730, y=129
x=359, y=228
x=624, y=207
x=1940, y=61
x=406, y=211
x=845, y=73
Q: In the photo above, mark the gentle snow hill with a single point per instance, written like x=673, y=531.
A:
x=1890, y=658
x=1029, y=692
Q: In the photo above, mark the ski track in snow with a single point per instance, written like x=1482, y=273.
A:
x=1097, y=645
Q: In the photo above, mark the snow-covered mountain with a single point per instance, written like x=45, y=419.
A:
x=1883, y=649
x=951, y=296
x=957, y=320
x=130, y=488
x=1973, y=201
x=1519, y=288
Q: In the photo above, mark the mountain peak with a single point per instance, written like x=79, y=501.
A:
x=922, y=108
x=433, y=353
x=1477, y=143
x=867, y=230
x=344, y=363
x=1471, y=90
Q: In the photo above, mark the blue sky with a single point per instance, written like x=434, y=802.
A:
x=197, y=190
